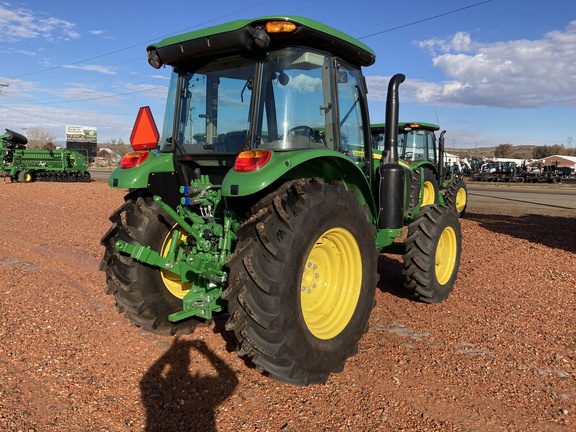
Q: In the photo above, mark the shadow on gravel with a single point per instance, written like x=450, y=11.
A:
x=552, y=231
x=175, y=398
x=390, y=271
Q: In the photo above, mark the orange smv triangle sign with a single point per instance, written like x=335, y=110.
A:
x=145, y=133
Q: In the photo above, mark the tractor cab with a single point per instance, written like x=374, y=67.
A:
x=430, y=174
x=266, y=86
x=417, y=142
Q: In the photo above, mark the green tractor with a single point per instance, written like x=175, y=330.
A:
x=424, y=158
x=260, y=201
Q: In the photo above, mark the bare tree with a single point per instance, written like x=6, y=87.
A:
x=545, y=151
x=504, y=151
x=115, y=149
x=39, y=137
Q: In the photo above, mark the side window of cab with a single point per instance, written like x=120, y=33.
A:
x=350, y=95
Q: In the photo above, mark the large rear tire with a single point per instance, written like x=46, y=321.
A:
x=302, y=281
x=145, y=294
x=432, y=255
x=456, y=196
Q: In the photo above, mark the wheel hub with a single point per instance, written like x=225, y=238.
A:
x=461, y=200
x=172, y=281
x=445, y=258
x=428, y=197
x=331, y=283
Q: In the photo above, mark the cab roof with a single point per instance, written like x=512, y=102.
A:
x=236, y=36
x=380, y=127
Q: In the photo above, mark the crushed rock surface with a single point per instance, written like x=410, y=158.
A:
x=498, y=355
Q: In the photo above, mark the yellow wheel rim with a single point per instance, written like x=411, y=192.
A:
x=461, y=200
x=331, y=283
x=172, y=281
x=429, y=195
x=446, y=252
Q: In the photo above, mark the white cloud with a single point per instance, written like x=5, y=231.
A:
x=55, y=119
x=93, y=68
x=149, y=91
x=20, y=23
x=16, y=89
x=101, y=33
x=511, y=74
x=460, y=42
x=84, y=93
x=305, y=84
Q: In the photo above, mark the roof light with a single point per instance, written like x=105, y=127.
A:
x=154, y=59
x=252, y=160
x=132, y=160
x=280, y=27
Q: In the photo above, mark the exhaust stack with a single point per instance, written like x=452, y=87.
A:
x=392, y=175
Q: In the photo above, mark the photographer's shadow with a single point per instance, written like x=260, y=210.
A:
x=176, y=398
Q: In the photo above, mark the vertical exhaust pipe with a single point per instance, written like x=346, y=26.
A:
x=442, y=172
x=392, y=109
x=392, y=176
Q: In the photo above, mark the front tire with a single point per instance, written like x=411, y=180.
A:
x=456, y=196
x=145, y=294
x=425, y=193
x=429, y=189
x=302, y=281
x=25, y=176
x=432, y=254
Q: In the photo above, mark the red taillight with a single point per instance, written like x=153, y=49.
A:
x=251, y=160
x=133, y=159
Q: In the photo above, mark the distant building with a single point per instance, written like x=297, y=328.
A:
x=560, y=162
x=563, y=161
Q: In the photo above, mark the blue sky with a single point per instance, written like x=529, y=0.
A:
x=490, y=72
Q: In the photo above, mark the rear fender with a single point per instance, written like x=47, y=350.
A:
x=139, y=176
x=326, y=164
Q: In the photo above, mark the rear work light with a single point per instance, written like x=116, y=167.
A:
x=251, y=160
x=132, y=160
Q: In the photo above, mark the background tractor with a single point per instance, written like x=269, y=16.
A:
x=430, y=174
x=260, y=200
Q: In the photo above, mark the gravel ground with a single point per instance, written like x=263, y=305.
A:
x=498, y=355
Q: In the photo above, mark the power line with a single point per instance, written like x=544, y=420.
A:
x=201, y=25
x=425, y=19
x=140, y=44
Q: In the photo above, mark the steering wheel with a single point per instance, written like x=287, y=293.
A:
x=303, y=130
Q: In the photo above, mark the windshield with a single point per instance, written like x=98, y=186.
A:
x=212, y=107
x=417, y=145
x=286, y=102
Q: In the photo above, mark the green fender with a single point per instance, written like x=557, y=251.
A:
x=326, y=164
x=138, y=177
x=422, y=165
